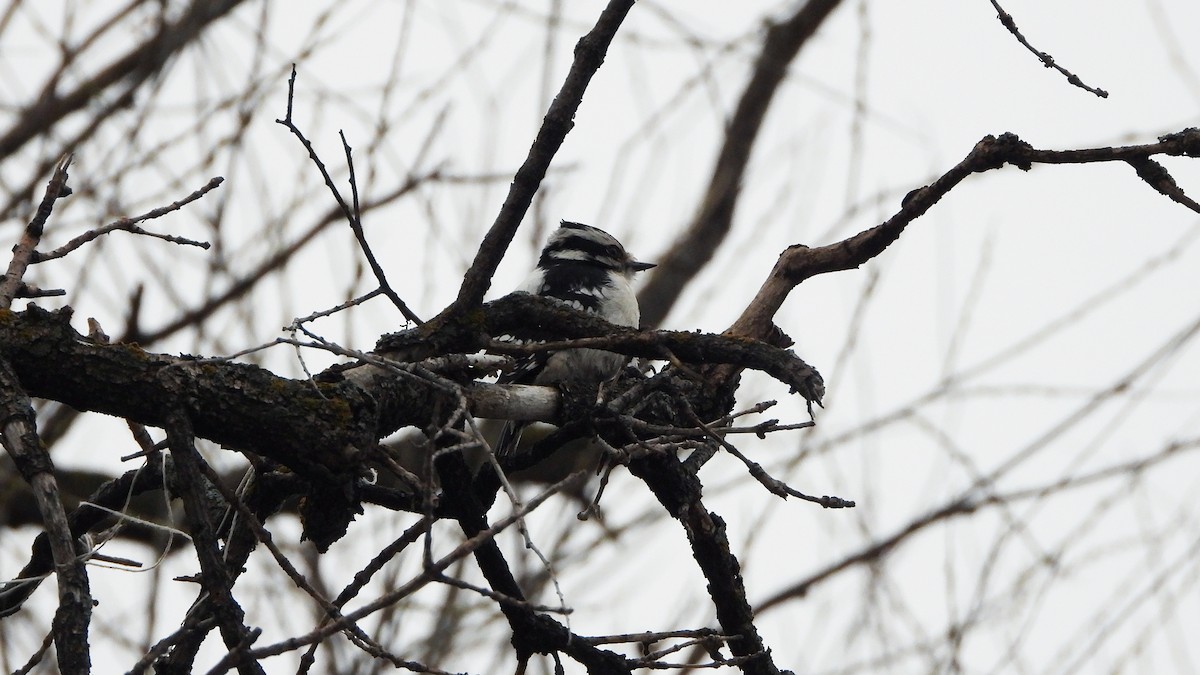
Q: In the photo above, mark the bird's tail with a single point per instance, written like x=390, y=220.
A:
x=509, y=438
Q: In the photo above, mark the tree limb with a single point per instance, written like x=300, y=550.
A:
x=697, y=245
x=136, y=66
x=214, y=577
x=798, y=263
x=679, y=491
x=24, y=252
x=537, y=318
x=74, y=596
x=315, y=429
x=589, y=54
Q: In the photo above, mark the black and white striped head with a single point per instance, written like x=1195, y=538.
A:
x=575, y=243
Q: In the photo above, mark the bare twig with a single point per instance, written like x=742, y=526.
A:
x=131, y=225
x=427, y=576
x=352, y=212
x=24, y=251
x=1156, y=176
x=589, y=54
x=1045, y=58
x=334, y=310
x=721, y=663
x=26, y=290
x=650, y=637
x=709, y=642
x=500, y=597
x=760, y=429
x=264, y=536
x=361, y=237
x=774, y=485
x=37, y=656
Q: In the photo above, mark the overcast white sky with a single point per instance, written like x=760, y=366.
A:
x=888, y=96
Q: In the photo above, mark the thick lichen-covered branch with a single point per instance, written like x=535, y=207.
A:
x=313, y=428
x=537, y=318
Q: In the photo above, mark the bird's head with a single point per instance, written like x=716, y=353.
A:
x=579, y=243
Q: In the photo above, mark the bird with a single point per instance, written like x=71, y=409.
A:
x=588, y=269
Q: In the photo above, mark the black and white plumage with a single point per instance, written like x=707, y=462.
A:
x=590, y=270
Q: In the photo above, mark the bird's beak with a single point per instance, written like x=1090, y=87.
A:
x=641, y=266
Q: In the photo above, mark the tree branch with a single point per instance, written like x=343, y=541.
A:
x=131, y=225
x=74, y=596
x=798, y=263
x=25, y=250
x=537, y=318
x=352, y=212
x=1046, y=59
x=316, y=429
x=697, y=245
x=559, y=120
x=111, y=495
x=215, y=577
x=679, y=490
x=134, y=67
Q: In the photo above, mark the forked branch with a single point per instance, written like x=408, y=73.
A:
x=798, y=263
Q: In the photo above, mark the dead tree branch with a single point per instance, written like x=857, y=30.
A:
x=589, y=55
x=25, y=251
x=800, y=262
x=131, y=225
x=215, y=577
x=697, y=245
x=352, y=212
x=133, y=68
x=74, y=612
x=1044, y=57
